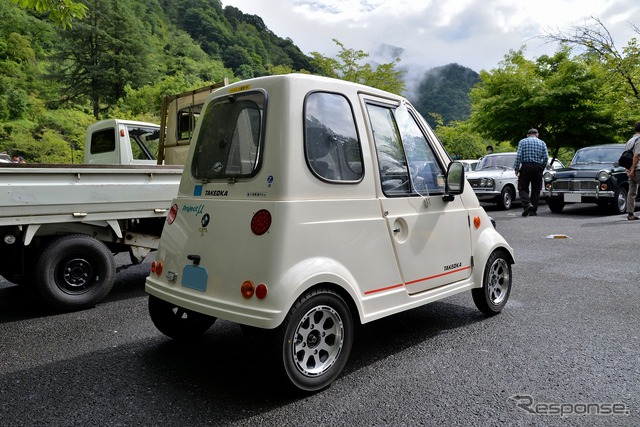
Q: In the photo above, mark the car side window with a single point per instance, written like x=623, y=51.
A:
x=406, y=160
x=331, y=142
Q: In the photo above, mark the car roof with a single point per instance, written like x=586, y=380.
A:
x=602, y=146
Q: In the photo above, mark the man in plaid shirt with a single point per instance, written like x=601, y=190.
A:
x=530, y=163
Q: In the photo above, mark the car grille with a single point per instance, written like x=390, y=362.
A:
x=585, y=185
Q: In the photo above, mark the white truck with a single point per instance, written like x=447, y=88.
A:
x=61, y=224
x=308, y=205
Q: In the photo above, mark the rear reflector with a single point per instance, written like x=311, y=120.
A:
x=261, y=222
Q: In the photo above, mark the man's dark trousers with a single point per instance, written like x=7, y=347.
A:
x=530, y=175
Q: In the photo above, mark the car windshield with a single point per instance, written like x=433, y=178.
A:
x=597, y=155
x=499, y=161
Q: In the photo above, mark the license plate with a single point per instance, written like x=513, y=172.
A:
x=194, y=277
x=572, y=198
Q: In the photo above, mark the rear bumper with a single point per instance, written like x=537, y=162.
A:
x=191, y=300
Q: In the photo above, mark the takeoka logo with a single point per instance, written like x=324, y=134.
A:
x=452, y=266
x=220, y=193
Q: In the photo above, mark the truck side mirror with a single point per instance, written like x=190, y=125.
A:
x=455, y=181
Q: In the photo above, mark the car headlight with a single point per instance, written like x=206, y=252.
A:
x=486, y=182
x=603, y=176
x=549, y=176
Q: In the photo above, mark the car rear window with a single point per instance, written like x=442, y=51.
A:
x=229, y=142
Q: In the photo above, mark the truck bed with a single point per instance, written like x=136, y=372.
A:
x=40, y=194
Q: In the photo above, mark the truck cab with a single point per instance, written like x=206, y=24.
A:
x=122, y=142
x=310, y=204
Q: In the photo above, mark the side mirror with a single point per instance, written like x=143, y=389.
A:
x=455, y=181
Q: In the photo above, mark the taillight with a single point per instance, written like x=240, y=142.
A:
x=157, y=267
x=247, y=289
x=260, y=222
x=173, y=213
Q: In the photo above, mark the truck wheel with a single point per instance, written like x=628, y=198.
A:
x=555, y=205
x=506, y=198
x=74, y=272
x=177, y=322
x=496, y=285
x=315, y=339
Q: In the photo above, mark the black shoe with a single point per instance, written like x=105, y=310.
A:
x=533, y=213
x=527, y=210
x=632, y=217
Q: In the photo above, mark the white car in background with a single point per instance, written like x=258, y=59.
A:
x=494, y=180
x=469, y=165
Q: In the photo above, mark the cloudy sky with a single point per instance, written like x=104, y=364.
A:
x=431, y=33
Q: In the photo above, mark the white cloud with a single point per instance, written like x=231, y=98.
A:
x=430, y=33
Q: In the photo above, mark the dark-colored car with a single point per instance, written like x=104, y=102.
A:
x=592, y=177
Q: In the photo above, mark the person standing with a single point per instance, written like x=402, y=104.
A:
x=633, y=173
x=531, y=160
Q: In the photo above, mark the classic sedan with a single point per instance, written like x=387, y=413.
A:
x=592, y=177
x=494, y=179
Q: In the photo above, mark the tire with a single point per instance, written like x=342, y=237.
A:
x=555, y=205
x=619, y=205
x=315, y=340
x=496, y=285
x=177, y=322
x=506, y=198
x=74, y=272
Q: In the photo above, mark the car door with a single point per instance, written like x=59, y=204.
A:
x=431, y=236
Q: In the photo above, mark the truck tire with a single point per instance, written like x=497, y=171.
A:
x=74, y=272
x=314, y=341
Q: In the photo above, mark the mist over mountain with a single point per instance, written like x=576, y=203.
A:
x=444, y=91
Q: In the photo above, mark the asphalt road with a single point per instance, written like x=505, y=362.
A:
x=566, y=343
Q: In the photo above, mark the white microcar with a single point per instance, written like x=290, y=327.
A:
x=308, y=205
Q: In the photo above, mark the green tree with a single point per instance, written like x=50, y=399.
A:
x=350, y=65
x=620, y=68
x=462, y=141
x=559, y=95
x=598, y=42
x=103, y=54
x=61, y=12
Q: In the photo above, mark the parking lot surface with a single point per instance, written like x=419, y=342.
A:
x=565, y=351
